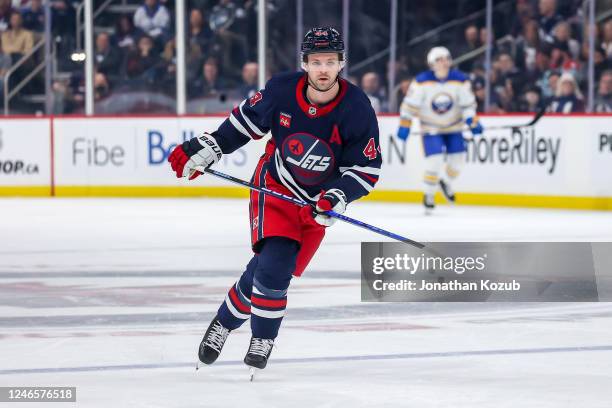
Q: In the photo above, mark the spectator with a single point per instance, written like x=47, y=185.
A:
x=126, y=34
x=527, y=45
x=607, y=38
x=603, y=100
x=478, y=85
x=249, y=80
x=549, y=83
x=524, y=12
x=107, y=58
x=561, y=58
x=370, y=84
x=401, y=90
x=470, y=44
x=5, y=64
x=562, y=35
x=101, y=86
x=209, y=83
x=143, y=63
x=568, y=98
x=548, y=17
x=200, y=34
x=34, y=16
x=509, y=81
x=17, y=40
x=5, y=14
x=63, y=17
x=153, y=18
x=531, y=100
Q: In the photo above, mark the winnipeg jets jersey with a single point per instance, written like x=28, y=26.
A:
x=442, y=106
x=315, y=147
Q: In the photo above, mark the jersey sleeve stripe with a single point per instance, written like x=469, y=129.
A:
x=369, y=170
x=236, y=123
x=250, y=124
x=363, y=184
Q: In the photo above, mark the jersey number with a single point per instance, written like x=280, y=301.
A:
x=370, y=150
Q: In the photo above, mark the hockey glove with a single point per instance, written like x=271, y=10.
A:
x=202, y=151
x=404, y=130
x=334, y=200
x=475, y=126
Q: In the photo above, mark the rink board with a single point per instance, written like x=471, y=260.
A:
x=564, y=161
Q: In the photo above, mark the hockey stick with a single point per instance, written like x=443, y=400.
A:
x=301, y=203
x=532, y=122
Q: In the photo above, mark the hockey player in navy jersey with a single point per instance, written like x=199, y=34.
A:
x=324, y=150
x=443, y=101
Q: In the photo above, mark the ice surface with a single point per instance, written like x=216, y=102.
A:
x=113, y=295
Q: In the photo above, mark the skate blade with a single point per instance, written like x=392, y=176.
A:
x=252, y=372
x=429, y=211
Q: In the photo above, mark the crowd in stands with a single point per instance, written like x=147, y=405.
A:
x=539, y=54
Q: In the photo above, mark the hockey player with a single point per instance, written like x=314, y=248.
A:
x=324, y=150
x=443, y=101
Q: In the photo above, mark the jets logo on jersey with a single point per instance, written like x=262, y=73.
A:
x=255, y=98
x=285, y=119
x=441, y=103
x=310, y=159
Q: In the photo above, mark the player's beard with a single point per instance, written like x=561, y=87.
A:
x=312, y=83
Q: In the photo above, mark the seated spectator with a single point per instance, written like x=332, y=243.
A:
x=548, y=18
x=101, y=86
x=126, y=34
x=143, y=63
x=568, y=98
x=107, y=58
x=200, y=34
x=527, y=45
x=561, y=59
x=603, y=99
x=509, y=80
x=63, y=17
x=5, y=14
x=17, y=40
x=478, y=86
x=249, y=80
x=34, y=16
x=5, y=64
x=562, y=35
x=607, y=38
x=209, y=83
x=548, y=85
x=524, y=12
x=470, y=44
x=153, y=18
x=531, y=100
x=370, y=84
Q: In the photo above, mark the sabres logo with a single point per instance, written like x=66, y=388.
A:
x=441, y=103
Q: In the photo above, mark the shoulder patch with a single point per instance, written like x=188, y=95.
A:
x=255, y=98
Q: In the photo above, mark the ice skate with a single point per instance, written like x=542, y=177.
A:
x=212, y=343
x=428, y=203
x=258, y=354
x=447, y=192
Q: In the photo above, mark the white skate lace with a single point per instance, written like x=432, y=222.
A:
x=260, y=347
x=217, y=336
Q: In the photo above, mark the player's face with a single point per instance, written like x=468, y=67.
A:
x=441, y=66
x=323, y=69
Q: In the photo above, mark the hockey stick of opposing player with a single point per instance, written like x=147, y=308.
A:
x=532, y=122
x=301, y=203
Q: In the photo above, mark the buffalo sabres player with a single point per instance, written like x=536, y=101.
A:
x=442, y=99
x=324, y=150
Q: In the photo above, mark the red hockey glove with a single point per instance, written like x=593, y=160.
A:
x=202, y=151
x=331, y=200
